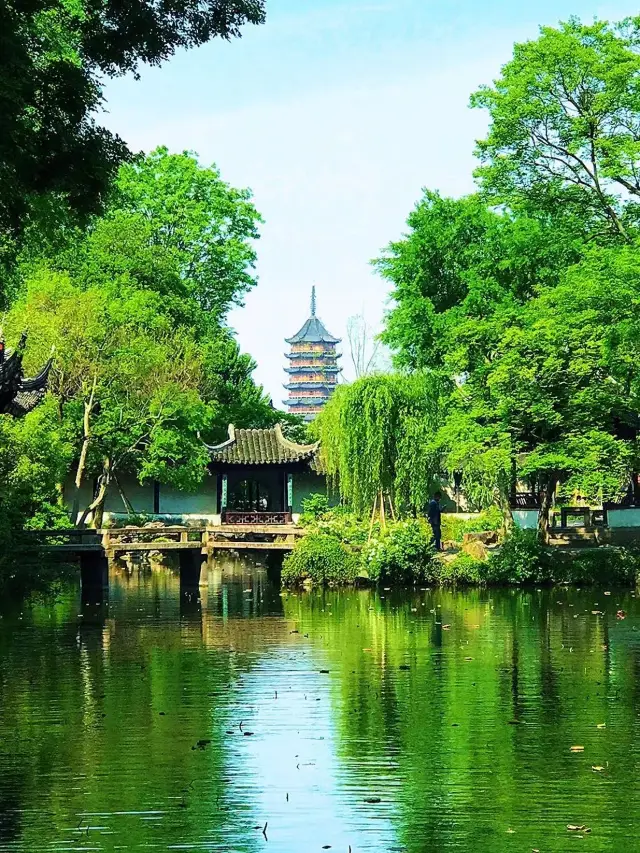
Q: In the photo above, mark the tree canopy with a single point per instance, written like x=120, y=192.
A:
x=55, y=56
x=377, y=435
x=523, y=297
x=565, y=124
x=135, y=306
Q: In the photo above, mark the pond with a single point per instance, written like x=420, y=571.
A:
x=254, y=720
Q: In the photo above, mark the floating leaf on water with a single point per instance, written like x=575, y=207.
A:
x=607, y=593
x=597, y=768
x=572, y=827
x=621, y=614
x=577, y=749
x=601, y=726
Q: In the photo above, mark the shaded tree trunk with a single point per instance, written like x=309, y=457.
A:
x=507, y=514
x=97, y=506
x=548, y=491
x=125, y=500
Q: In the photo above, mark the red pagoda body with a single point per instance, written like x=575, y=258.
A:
x=313, y=367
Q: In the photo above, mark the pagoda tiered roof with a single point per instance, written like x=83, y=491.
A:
x=313, y=354
x=313, y=332
x=320, y=368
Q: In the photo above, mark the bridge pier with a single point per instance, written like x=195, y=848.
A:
x=94, y=574
x=193, y=570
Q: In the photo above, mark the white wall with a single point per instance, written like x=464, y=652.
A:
x=141, y=497
x=202, y=502
x=624, y=517
x=525, y=519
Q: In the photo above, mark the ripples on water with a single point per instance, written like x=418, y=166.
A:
x=427, y=721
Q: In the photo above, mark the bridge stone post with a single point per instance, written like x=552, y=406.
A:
x=193, y=572
x=94, y=575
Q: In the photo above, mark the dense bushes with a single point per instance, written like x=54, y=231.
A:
x=320, y=559
x=463, y=570
x=338, y=549
x=454, y=526
x=403, y=554
x=521, y=558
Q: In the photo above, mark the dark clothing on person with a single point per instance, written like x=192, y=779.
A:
x=434, y=514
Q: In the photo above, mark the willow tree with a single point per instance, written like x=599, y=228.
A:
x=377, y=440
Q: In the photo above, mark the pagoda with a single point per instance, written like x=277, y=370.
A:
x=313, y=367
x=18, y=395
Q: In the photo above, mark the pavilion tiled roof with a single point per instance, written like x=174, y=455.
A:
x=260, y=447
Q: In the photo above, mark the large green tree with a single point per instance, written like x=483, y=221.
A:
x=565, y=125
x=524, y=295
x=54, y=58
x=135, y=307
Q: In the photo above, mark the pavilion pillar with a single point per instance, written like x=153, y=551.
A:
x=224, y=495
x=289, y=492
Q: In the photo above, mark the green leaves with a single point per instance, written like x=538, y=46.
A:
x=564, y=124
x=376, y=435
x=204, y=225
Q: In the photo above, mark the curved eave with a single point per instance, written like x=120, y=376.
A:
x=293, y=356
x=310, y=386
x=323, y=369
x=313, y=332
x=39, y=382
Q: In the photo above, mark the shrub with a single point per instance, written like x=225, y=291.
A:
x=464, y=569
x=402, y=555
x=321, y=559
x=454, y=527
x=610, y=566
x=313, y=507
x=521, y=559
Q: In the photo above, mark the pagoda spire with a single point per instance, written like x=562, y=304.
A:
x=313, y=301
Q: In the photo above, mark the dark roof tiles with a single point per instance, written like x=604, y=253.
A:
x=313, y=332
x=260, y=447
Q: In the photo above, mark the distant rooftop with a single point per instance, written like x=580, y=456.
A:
x=313, y=331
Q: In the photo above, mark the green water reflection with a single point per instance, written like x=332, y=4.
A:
x=427, y=721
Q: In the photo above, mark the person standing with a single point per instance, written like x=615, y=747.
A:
x=434, y=514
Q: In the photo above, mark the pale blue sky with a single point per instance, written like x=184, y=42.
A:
x=335, y=113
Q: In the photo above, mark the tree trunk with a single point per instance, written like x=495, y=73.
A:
x=86, y=438
x=548, y=492
x=97, y=506
x=125, y=500
x=507, y=515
